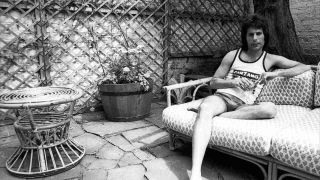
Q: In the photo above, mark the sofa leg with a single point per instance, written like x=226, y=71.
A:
x=270, y=171
x=269, y=176
x=274, y=172
x=172, y=146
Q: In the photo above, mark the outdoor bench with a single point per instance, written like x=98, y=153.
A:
x=285, y=146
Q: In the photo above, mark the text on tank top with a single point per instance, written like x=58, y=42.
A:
x=248, y=70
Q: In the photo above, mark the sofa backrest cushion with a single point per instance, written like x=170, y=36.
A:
x=317, y=88
x=297, y=90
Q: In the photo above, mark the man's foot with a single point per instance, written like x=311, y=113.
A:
x=193, y=109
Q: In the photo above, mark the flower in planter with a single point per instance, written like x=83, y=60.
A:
x=126, y=70
x=120, y=63
x=124, y=66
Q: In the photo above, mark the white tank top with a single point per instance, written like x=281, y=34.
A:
x=249, y=70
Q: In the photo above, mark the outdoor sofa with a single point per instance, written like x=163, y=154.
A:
x=283, y=147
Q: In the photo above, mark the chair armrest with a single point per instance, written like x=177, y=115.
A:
x=198, y=83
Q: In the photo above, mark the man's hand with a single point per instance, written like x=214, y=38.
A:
x=266, y=76
x=244, y=83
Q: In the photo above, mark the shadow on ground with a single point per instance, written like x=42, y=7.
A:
x=176, y=165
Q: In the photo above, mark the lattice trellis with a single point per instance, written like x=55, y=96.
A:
x=205, y=27
x=68, y=31
x=47, y=42
x=65, y=33
x=20, y=45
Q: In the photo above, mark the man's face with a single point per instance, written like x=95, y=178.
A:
x=255, y=38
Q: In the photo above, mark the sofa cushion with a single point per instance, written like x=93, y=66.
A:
x=317, y=88
x=297, y=90
x=253, y=136
x=250, y=136
x=178, y=118
x=298, y=144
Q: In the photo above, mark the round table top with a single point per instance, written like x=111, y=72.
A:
x=38, y=97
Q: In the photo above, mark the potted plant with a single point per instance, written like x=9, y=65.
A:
x=126, y=87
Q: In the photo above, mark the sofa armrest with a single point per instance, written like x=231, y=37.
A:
x=195, y=83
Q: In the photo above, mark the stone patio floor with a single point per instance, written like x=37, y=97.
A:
x=131, y=151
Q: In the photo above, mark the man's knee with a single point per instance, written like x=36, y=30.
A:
x=213, y=105
x=268, y=110
x=205, y=106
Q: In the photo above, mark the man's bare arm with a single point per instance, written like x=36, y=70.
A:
x=293, y=71
x=289, y=67
x=218, y=79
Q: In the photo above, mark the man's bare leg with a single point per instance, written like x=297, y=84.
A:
x=264, y=110
x=210, y=107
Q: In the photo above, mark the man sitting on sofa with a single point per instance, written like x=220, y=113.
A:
x=238, y=81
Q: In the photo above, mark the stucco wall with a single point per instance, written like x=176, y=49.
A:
x=306, y=16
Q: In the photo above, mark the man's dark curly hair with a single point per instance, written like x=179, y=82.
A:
x=254, y=21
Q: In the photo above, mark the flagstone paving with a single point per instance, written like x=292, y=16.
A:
x=135, y=150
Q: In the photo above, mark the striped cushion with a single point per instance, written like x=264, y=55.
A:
x=298, y=90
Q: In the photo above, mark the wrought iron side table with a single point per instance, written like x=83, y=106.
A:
x=45, y=148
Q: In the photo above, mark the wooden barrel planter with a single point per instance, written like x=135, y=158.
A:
x=125, y=102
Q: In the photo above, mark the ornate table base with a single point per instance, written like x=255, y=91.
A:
x=45, y=151
x=39, y=162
